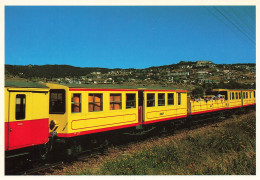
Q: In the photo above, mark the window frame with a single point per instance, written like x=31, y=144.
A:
x=115, y=102
x=127, y=101
x=161, y=99
x=179, y=99
x=94, y=103
x=73, y=103
x=170, y=99
x=23, y=99
x=62, y=104
x=150, y=100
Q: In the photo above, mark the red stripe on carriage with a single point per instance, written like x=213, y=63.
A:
x=165, y=119
x=96, y=130
x=249, y=104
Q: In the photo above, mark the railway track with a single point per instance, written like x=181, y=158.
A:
x=51, y=165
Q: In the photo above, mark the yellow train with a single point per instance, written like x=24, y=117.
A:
x=84, y=110
x=71, y=117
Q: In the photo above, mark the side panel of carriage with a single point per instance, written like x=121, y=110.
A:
x=199, y=107
x=248, y=97
x=234, y=99
x=94, y=111
x=87, y=111
x=162, y=105
x=26, y=117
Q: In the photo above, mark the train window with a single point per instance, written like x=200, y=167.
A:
x=254, y=94
x=246, y=95
x=170, y=98
x=250, y=94
x=161, y=99
x=95, y=102
x=233, y=97
x=239, y=95
x=115, y=101
x=75, y=103
x=57, y=101
x=130, y=101
x=179, y=98
x=224, y=93
x=150, y=100
x=20, y=106
x=230, y=95
x=236, y=95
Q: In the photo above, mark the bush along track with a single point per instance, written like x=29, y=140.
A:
x=227, y=148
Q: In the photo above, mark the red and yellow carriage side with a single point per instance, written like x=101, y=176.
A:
x=248, y=97
x=86, y=109
x=233, y=97
x=206, y=106
x=164, y=104
x=90, y=109
x=26, y=115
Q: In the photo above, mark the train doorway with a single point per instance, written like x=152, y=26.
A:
x=140, y=105
x=18, y=134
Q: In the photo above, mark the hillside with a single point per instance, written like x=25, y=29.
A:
x=50, y=71
x=185, y=74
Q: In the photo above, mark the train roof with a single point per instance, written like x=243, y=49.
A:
x=110, y=86
x=24, y=84
x=232, y=89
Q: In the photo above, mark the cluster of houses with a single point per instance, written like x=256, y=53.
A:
x=191, y=73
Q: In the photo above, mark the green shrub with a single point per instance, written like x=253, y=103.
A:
x=226, y=150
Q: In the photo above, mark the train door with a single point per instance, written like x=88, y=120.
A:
x=241, y=98
x=179, y=104
x=18, y=134
x=140, y=106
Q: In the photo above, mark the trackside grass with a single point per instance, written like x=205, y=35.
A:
x=228, y=149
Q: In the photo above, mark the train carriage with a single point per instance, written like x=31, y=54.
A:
x=78, y=110
x=85, y=109
x=248, y=97
x=197, y=107
x=26, y=116
x=233, y=97
x=162, y=105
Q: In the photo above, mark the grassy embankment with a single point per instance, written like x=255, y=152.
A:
x=227, y=149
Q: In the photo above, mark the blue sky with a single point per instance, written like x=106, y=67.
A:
x=128, y=37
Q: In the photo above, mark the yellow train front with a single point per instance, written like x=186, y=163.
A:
x=80, y=114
